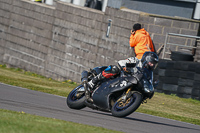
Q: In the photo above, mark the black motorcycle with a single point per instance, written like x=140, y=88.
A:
x=121, y=95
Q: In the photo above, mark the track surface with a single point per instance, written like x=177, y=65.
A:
x=38, y=103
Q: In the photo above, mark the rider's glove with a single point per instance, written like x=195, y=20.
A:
x=126, y=70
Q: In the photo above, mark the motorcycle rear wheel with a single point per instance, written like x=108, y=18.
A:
x=122, y=109
x=75, y=101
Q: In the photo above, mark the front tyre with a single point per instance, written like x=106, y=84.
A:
x=123, y=108
x=76, y=98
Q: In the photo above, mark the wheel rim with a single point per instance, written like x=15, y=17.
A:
x=123, y=105
x=75, y=95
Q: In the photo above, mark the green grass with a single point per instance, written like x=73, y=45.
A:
x=173, y=107
x=20, y=122
x=167, y=106
x=29, y=80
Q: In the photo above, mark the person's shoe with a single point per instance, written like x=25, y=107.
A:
x=91, y=84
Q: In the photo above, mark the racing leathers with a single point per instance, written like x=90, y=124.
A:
x=110, y=71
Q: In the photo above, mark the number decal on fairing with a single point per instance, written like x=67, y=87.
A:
x=123, y=83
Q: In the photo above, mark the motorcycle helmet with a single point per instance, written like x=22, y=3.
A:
x=150, y=60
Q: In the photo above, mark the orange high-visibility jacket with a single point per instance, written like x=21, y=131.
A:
x=141, y=41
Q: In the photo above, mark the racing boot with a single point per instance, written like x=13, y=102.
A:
x=92, y=83
x=91, y=86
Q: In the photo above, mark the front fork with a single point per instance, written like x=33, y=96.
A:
x=126, y=96
x=87, y=93
x=84, y=80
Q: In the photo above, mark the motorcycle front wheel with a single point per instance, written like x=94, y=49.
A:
x=76, y=98
x=123, y=108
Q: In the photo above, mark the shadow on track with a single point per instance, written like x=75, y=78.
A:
x=144, y=121
x=159, y=123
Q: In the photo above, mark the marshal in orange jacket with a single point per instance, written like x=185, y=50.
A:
x=141, y=41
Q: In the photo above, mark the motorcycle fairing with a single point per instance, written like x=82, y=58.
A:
x=101, y=95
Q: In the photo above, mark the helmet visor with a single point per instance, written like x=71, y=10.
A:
x=152, y=63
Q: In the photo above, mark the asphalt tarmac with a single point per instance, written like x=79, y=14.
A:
x=47, y=105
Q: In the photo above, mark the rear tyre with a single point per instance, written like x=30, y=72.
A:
x=123, y=108
x=75, y=99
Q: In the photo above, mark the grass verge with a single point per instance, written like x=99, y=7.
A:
x=167, y=106
x=29, y=80
x=20, y=122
